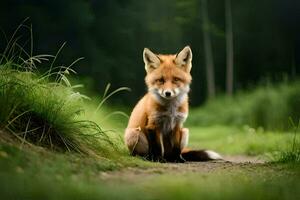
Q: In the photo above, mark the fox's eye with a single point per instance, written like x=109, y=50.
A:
x=176, y=79
x=161, y=80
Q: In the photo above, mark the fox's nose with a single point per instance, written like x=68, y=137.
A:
x=167, y=93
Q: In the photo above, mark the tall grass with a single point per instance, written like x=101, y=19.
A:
x=292, y=154
x=44, y=109
x=268, y=107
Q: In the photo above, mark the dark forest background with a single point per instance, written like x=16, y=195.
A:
x=111, y=35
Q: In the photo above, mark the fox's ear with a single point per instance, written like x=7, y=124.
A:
x=184, y=58
x=151, y=60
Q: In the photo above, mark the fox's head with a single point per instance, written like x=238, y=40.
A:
x=168, y=76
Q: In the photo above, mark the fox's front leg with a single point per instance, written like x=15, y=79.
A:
x=184, y=138
x=156, y=146
x=174, y=143
x=181, y=141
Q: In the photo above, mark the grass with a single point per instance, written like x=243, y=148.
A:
x=256, y=122
x=268, y=107
x=33, y=175
x=292, y=153
x=239, y=184
x=233, y=141
x=45, y=113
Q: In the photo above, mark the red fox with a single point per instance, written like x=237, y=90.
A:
x=155, y=128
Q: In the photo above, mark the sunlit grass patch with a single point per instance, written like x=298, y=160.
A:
x=237, y=141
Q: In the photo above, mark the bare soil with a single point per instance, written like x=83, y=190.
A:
x=133, y=174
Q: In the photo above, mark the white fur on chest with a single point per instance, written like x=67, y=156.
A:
x=168, y=119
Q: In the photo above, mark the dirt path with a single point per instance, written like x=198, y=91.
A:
x=229, y=163
x=243, y=159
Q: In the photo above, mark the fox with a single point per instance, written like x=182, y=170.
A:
x=155, y=128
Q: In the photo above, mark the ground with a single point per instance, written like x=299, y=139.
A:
x=133, y=174
x=247, y=171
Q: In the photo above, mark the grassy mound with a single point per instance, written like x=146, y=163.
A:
x=46, y=111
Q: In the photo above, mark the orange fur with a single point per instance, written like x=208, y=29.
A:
x=156, y=122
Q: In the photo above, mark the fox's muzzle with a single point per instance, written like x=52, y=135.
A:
x=168, y=93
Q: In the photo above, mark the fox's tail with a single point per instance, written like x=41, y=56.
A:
x=199, y=155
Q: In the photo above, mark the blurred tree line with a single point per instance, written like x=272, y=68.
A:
x=255, y=40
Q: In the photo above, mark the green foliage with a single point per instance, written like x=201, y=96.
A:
x=268, y=107
x=111, y=35
x=292, y=153
x=228, y=140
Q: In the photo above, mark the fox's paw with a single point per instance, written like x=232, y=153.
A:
x=180, y=159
